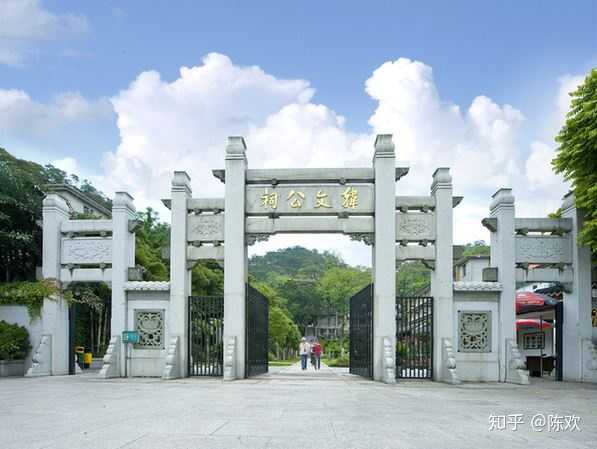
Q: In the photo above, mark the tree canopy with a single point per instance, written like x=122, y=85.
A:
x=576, y=156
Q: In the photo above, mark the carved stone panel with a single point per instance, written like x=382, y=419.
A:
x=150, y=326
x=205, y=228
x=474, y=331
x=310, y=199
x=86, y=251
x=543, y=249
x=415, y=226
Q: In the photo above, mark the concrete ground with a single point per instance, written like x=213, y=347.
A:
x=287, y=408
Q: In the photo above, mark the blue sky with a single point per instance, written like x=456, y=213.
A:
x=513, y=53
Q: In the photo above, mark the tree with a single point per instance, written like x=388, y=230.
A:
x=411, y=278
x=576, y=156
x=477, y=248
x=337, y=286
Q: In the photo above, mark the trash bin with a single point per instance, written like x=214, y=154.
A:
x=87, y=359
x=79, y=351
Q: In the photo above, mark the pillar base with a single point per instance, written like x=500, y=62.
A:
x=515, y=368
x=448, y=372
x=589, y=353
x=172, y=368
x=42, y=359
x=111, y=367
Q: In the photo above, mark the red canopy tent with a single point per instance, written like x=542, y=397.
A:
x=533, y=302
x=536, y=323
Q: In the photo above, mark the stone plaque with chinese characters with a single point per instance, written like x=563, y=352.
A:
x=205, y=228
x=86, y=251
x=543, y=249
x=310, y=199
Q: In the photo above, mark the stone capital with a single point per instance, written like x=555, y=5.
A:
x=55, y=203
x=384, y=146
x=236, y=148
x=568, y=202
x=123, y=201
x=442, y=179
x=181, y=182
x=503, y=198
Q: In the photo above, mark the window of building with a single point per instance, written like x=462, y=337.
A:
x=535, y=340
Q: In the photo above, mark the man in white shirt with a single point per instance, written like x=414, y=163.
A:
x=304, y=350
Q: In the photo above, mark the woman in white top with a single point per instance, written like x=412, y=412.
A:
x=304, y=350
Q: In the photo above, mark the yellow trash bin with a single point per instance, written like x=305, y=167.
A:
x=87, y=359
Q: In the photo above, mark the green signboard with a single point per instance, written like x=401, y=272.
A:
x=130, y=337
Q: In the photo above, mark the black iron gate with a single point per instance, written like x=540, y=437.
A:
x=361, y=333
x=414, y=337
x=257, y=330
x=206, y=328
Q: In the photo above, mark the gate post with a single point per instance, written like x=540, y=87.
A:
x=441, y=277
x=503, y=256
x=384, y=256
x=179, y=274
x=235, y=255
x=123, y=257
x=55, y=321
x=577, y=304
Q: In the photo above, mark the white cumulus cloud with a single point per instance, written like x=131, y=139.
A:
x=25, y=22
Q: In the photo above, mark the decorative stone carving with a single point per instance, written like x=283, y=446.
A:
x=477, y=286
x=515, y=367
x=543, y=249
x=86, y=251
x=449, y=374
x=365, y=237
x=172, y=367
x=150, y=286
x=389, y=361
x=474, y=331
x=111, y=366
x=42, y=359
x=415, y=226
x=229, y=356
x=150, y=325
x=251, y=239
x=205, y=228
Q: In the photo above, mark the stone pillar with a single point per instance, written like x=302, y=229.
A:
x=441, y=277
x=55, y=310
x=123, y=257
x=235, y=254
x=577, y=303
x=179, y=274
x=503, y=256
x=384, y=256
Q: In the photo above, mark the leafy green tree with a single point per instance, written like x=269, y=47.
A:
x=411, y=278
x=337, y=286
x=151, y=236
x=477, y=248
x=576, y=156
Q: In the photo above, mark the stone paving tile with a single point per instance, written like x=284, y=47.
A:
x=283, y=410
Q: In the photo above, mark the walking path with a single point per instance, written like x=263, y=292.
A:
x=289, y=410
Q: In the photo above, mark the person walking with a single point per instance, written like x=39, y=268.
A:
x=304, y=349
x=316, y=349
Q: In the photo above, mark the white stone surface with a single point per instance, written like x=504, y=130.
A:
x=123, y=257
x=176, y=318
x=503, y=257
x=384, y=254
x=235, y=257
x=54, y=310
x=577, y=303
x=284, y=412
x=441, y=276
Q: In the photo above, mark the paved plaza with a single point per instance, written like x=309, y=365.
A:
x=287, y=408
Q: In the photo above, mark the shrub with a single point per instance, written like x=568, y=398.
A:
x=14, y=341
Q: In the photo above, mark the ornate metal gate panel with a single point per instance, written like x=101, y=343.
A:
x=206, y=329
x=414, y=337
x=361, y=333
x=257, y=328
